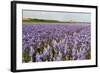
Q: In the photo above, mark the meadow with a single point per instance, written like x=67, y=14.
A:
x=43, y=42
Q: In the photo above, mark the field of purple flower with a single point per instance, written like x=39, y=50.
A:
x=56, y=42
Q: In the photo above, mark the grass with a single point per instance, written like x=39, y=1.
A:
x=44, y=21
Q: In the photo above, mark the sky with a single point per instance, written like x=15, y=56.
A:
x=61, y=16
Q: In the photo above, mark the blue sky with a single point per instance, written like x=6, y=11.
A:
x=61, y=16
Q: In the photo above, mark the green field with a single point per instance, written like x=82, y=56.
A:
x=34, y=21
x=44, y=21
